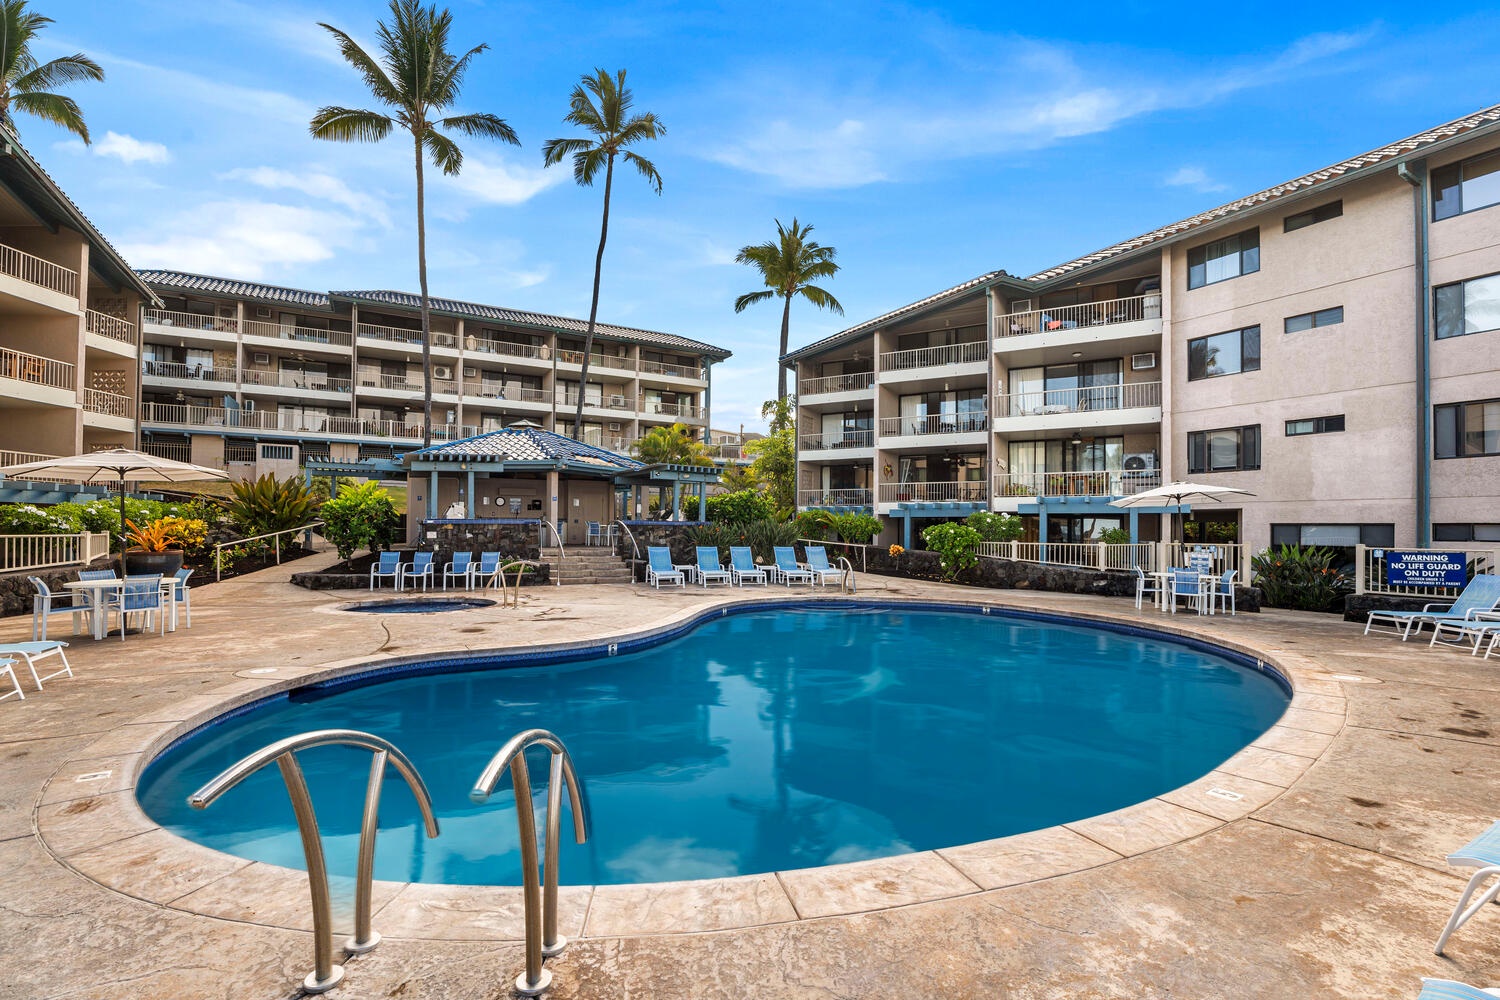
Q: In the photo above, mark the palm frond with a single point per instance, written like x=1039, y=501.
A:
x=645, y=168
x=373, y=74
x=350, y=125
x=445, y=153
x=444, y=89
x=750, y=298
x=821, y=299
x=586, y=164
x=482, y=126
x=642, y=127
x=59, y=73
x=55, y=108
x=555, y=150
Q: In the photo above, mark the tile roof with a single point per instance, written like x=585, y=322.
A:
x=528, y=445
x=183, y=281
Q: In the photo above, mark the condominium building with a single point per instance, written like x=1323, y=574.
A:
x=245, y=375
x=69, y=344
x=1331, y=345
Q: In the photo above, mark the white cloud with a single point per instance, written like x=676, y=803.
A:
x=245, y=239
x=131, y=150
x=496, y=182
x=1195, y=178
x=840, y=155
x=322, y=186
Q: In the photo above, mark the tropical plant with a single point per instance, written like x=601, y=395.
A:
x=738, y=478
x=1293, y=576
x=740, y=507
x=675, y=445
x=856, y=528
x=269, y=505
x=104, y=514
x=764, y=536
x=895, y=550
x=774, y=457
x=190, y=533
x=993, y=527
x=813, y=524
x=1114, y=536
x=416, y=77
x=26, y=85
x=788, y=265
x=154, y=537
x=29, y=519
x=720, y=536
x=361, y=516
x=954, y=542
x=601, y=105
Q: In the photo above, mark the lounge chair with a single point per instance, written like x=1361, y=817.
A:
x=1447, y=989
x=787, y=569
x=742, y=568
x=1483, y=852
x=1146, y=585
x=45, y=604
x=387, y=567
x=659, y=568
x=31, y=652
x=420, y=568
x=460, y=567
x=817, y=565
x=1481, y=594
x=7, y=669
x=483, y=573
x=710, y=570
x=140, y=595
x=1482, y=628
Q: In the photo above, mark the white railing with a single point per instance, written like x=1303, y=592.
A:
x=36, y=271
x=595, y=360
x=675, y=371
x=1100, y=483
x=1215, y=557
x=1091, y=399
x=933, y=357
x=111, y=327
x=110, y=404
x=535, y=352
x=670, y=409
x=854, y=382
x=177, y=451
x=182, y=415
x=276, y=542
x=22, y=457
x=1084, y=555
x=190, y=321
x=968, y=491
x=309, y=381
x=1371, y=577
x=188, y=373
x=36, y=369
x=297, y=334
x=836, y=439
x=390, y=383
x=20, y=553
x=606, y=402
x=835, y=498
x=390, y=334
x=935, y=423
x=1089, y=314
x=508, y=393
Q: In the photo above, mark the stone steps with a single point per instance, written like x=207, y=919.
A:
x=583, y=565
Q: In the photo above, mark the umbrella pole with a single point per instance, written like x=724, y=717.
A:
x=122, y=526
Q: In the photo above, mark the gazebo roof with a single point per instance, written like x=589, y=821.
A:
x=526, y=447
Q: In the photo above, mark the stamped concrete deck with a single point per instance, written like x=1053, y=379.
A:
x=1325, y=877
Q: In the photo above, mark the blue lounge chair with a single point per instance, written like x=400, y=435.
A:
x=483, y=573
x=788, y=569
x=1482, y=628
x=817, y=564
x=1447, y=989
x=387, y=567
x=659, y=568
x=710, y=570
x=1483, y=852
x=420, y=568
x=461, y=567
x=30, y=652
x=1482, y=594
x=742, y=568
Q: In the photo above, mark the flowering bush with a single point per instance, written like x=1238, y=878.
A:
x=29, y=519
x=954, y=542
x=1291, y=576
x=895, y=550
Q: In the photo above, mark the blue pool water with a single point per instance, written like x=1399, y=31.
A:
x=756, y=742
x=420, y=605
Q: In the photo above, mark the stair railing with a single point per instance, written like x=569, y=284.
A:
x=519, y=565
x=561, y=552
x=846, y=581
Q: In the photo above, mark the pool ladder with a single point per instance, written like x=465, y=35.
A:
x=540, y=898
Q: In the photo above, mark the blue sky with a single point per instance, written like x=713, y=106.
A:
x=928, y=143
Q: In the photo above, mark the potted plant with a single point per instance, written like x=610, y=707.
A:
x=154, y=549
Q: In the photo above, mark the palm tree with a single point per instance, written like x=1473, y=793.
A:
x=25, y=86
x=601, y=104
x=789, y=264
x=415, y=77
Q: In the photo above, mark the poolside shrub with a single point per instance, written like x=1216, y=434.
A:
x=993, y=527
x=269, y=504
x=1300, y=577
x=740, y=507
x=1115, y=536
x=190, y=533
x=857, y=529
x=955, y=544
x=813, y=524
x=764, y=536
x=362, y=516
x=720, y=536
x=29, y=519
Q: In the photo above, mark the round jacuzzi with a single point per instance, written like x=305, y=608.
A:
x=754, y=739
x=418, y=605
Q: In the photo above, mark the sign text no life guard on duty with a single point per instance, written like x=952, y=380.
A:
x=1425, y=569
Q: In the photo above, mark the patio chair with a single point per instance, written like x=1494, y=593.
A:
x=788, y=569
x=140, y=595
x=742, y=568
x=710, y=570
x=1481, y=594
x=817, y=564
x=659, y=568
x=482, y=574
x=420, y=568
x=1223, y=591
x=1146, y=585
x=45, y=604
x=1483, y=627
x=1186, y=583
x=462, y=565
x=183, y=597
x=1483, y=852
x=386, y=567
x=1447, y=989
x=7, y=670
x=31, y=652
x=595, y=535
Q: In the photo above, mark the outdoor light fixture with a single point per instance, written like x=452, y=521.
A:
x=1077, y=354
x=1077, y=438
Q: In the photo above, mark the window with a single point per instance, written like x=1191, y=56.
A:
x=1309, y=321
x=1225, y=450
x=1312, y=216
x=1224, y=259
x=1466, y=307
x=1464, y=186
x=1224, y=353
x=1315, y=425
x=1334, y=535
x=1466, y=430
x=1466, y=532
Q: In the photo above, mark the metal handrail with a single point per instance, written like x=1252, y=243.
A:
x=519, y=565
x=846, y=582
x=562, y=553
x=326, y=975
x=219, y=563
x=542, y=938
x=630, y=535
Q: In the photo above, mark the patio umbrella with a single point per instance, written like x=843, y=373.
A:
x=119, y=465
x=1174, y=494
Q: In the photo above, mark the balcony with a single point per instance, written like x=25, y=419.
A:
x=829, y=384
x=953, y=492
x=38, y=371
x=672, y=411
x=845, y=443
x=300, y=381
x=394, y=335
x=610, y=402
x=1089, y=407
x=190, y=321
x=575, y=359
x=195, y=375
x=1137, y=317
x=34, y=270
x=539, y=353
x=1103, y=483
x=404, y=386
x=935, y=430
x=941, y=363
x=494, y=394
x=693, y=373
x=293, y=422
x=835, y=498
x=109, y=404
x=112, y=328
x=303, y=336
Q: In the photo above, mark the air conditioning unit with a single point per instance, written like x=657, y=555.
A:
x=260, y=358
x=442, y=372
x=1140, y=462
x=262, y=312
x=614, y=427
x=248, y=406
x=471, y=373
x=1140, y=362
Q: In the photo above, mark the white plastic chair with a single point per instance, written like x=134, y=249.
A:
x=1483, y=852
x=1145, y=585
x=140, y=595
x=1188, y=583
x=386, y=567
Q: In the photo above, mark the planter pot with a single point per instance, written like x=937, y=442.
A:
x=139, y=562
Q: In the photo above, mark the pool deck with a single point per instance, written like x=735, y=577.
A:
x=1325, y=877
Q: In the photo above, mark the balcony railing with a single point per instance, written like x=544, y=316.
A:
x=177, y=451
x=182, y=415
x=1101, y=483
x=934, y=357
x=539, y=352
x=391, y=383
x=298, y=334
x=968, y=491
x=390, y=334
x=36, y=271
x=190, y=321
x=1089, y=314
x=854, y=382
x=653, y=407
x=676, y=371
x=22, y=457
x=605, y=402
x=836, y=439
x=835, y=498
x=595, y=360
x=110, y=404
x=310, y=381
x=1089, y=399
x=189, y=373
x=111, y=327
x=934, y=423
x=509, y=393
x=36, y=369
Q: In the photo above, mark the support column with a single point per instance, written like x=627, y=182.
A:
x=906, y=529
x=470, y=507
x=552, y=494
x=1041, y=531
x=1135, y=526
x=676, y=499
x=702, y=501
x=432, y=490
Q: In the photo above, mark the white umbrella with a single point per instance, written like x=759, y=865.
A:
x=1174, y=494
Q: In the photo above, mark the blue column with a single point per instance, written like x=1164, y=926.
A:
x=432, y=510
x=472, y=508
x=703, y=501
x=906, y=529
x=1041, y=530
x=676, y=499
x=1135, y=526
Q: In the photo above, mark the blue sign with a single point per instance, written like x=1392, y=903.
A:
x=1425, y=569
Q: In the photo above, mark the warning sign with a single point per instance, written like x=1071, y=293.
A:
x=1425, y=569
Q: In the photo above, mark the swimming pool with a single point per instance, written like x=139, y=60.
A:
x=758, y=740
